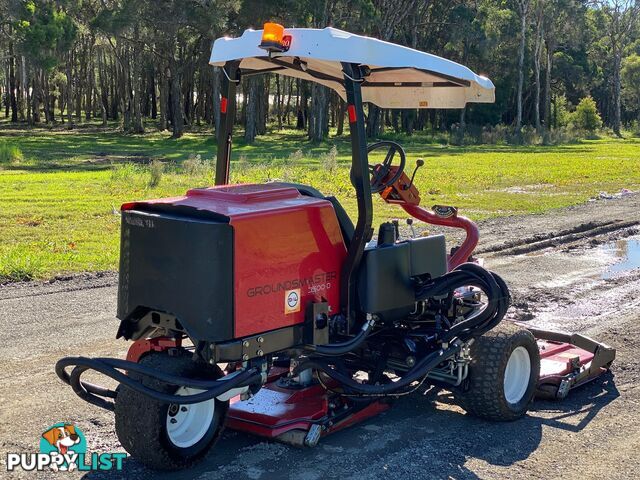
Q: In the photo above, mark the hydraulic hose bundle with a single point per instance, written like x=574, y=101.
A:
x=479, y=322
x=111, y=367
x=465, y=275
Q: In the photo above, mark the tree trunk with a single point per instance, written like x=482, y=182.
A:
x=104, y=91
x=617, y=61
x=28, y=91
x=253, y=86
x=152, y=92
x=547, y=86
x=7, y=102
x=536, y=63
x=125, y=89
x=136, y=93
x=278, y=102
x=90, y=79
x=81, y=59
x=342, y=110
x=12, y=84
x=35, y=96
x=163, y=88
x=319, y=115
x=407, y=118
x=374, y=121
x=463, y=121
x=287, y=106
x=22, y=89
x=178, y=120
x=46, y=99
x=523, y=7
x=68, y=89
x=263, y=104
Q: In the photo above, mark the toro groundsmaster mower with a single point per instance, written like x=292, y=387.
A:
x=264, y=308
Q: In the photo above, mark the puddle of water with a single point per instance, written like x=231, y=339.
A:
x=627, y=255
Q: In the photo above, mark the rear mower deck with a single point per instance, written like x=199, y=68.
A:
x=300, y=416
x=297, y=415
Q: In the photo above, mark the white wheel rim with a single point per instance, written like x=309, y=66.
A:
x=188, y=424
x=517, y=375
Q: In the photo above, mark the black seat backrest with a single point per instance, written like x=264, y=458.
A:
x=346, y=225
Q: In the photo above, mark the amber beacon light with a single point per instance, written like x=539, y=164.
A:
x=274, y=39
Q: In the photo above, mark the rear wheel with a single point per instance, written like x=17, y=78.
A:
x=503, y=373
x=169, y=437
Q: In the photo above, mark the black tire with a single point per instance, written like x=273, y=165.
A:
x=141, y=421
x=483, y=393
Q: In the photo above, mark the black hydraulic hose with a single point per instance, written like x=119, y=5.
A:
x=109, y=367
x=418, y=372
x=336, y=349
x=470, y=274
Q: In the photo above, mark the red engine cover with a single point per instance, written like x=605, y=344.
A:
x=288, y=251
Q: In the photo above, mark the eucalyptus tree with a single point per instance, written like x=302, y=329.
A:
x=620, y=17
x=44, y=33
x=523, y=7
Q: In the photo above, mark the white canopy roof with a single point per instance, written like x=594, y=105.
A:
x=401, y=77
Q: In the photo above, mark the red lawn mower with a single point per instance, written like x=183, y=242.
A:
x=265, y=309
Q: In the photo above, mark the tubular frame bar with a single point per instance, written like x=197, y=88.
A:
x=227, y=116
x=360, y=178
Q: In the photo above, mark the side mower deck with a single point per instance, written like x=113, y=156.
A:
x=568, y=361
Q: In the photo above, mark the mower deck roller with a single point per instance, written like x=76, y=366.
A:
x=266, y=308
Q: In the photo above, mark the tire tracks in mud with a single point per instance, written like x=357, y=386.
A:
x=573, y=235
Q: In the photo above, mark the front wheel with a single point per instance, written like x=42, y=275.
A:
x=169, y=437
x=503, y=373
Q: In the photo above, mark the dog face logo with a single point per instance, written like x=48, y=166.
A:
x=63, y=439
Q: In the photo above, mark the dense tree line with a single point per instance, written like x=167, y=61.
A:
x=66, y=61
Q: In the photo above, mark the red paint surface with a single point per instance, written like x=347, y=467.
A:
x=351, y=109
x=275, y=410
x=279, y=236
x=556, y=359
x=369, y=411
x=157, y=344
x=223, y=105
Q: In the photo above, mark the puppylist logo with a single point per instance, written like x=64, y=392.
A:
x=63, y=447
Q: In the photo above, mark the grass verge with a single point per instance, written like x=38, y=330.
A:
x=59, y=202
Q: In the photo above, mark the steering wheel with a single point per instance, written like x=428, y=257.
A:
x=381, y=170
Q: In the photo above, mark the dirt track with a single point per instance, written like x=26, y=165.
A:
x=555, y=265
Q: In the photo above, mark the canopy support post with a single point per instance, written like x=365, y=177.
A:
x=360, y=178
x=230, y=80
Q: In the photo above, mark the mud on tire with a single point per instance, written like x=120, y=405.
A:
x=483, y=393
x=141, y=422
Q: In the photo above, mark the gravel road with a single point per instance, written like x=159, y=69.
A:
x=574, y=269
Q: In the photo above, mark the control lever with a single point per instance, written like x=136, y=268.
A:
x=419, y=163
x=410, y=223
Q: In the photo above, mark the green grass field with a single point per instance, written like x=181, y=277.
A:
x=59, y=202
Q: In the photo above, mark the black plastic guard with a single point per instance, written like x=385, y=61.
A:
x=179, y=265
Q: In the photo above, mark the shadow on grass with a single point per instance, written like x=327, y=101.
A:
x=414, y=439
x=86, y=148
